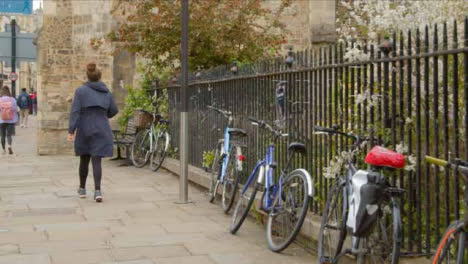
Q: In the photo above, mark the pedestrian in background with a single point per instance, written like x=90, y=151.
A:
x=34, y=102
x=24, y=101
x=8, y=118
x=92, y=106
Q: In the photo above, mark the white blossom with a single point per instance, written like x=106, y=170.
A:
x=411, y=166
x=401, y=148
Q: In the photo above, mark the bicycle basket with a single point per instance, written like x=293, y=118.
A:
x=143, y=119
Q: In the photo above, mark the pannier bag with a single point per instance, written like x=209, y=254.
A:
x=364, y=202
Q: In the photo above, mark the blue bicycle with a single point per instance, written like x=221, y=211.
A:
x=286, y=201
x=227, y=163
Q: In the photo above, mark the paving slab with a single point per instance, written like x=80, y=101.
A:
x=42, y=221
x=135, y=253
x=203, y=259
x=25, y=259
x=82, y=257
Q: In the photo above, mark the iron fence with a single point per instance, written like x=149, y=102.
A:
x=410, y=93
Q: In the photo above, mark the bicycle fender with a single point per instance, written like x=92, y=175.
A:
x=310, y=185
x=239, y=162
x=166, y=148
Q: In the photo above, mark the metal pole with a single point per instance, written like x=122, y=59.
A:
x=184, y=140
x=1, y=72
x=13, y=55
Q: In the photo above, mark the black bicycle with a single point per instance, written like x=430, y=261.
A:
x=364, y=204
x=453, y=245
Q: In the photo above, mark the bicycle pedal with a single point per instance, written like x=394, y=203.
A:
x=326, y=260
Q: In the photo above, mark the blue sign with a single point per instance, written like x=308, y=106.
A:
x=16, y=6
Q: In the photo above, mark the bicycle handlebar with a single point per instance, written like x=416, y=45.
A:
x=265, y=125
x=227, y=114
x=459, y=165
x=335, y=130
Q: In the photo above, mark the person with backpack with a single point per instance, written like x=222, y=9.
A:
x=93, y=105
x=8, y=118
x=24, y=101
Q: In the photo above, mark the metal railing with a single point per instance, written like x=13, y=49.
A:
x=411, y=92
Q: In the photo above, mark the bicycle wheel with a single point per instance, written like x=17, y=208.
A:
x=231, y=181
x=159, y=153
x=244, y=203
x=289, y=210
x=333, y=226
x=215, y=171
x=141, y=149
x=382, y=246
x=452, y=246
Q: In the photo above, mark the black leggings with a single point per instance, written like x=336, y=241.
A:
x=6, y=131
x=97, y=171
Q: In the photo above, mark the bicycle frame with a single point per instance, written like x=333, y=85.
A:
x=266, y=179
x=158, y=134
x=225, y=153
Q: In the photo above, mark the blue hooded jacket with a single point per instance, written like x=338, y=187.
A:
x=92, y=107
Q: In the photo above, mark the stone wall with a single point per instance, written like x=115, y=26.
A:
x=308, y=22
x=64, y=49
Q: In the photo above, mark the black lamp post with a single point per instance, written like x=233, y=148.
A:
x=386, y=47
x=290, y=58
x=184, y=129
x=234, y=68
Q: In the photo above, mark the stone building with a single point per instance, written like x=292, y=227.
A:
x=69, y=39
x=27, y=70
x=308, y=22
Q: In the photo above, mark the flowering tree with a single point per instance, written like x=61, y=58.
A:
x=365, y=20
x=220, y=31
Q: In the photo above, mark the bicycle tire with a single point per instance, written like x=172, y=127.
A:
x=159, y=153
x=244, y=203
x=295, y=183
x=336, y=199
x=452, y=241
x=230, y=190
x=380, y=253
x=215, y=170
x=139, y=148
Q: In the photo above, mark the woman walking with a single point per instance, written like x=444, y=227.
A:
x=8, y=118
x=92, y=106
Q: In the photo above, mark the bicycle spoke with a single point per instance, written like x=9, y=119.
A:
x=287, y=215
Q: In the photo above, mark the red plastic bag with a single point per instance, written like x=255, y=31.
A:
x=380, y=156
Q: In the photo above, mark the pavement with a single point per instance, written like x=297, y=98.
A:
x=42, y=220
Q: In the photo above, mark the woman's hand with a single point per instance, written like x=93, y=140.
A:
x=71, y=137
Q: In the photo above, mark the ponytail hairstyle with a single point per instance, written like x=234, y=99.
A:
x=5, y=91
x=93, y=73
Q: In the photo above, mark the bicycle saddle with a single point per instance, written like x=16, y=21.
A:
x=237, y=132
x=382, y=157
x=297, y=147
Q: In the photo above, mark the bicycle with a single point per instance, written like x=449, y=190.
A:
x=151, y=144
x=227, y=163
x=286, y=201
x=451, y=248
x=363, y=203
